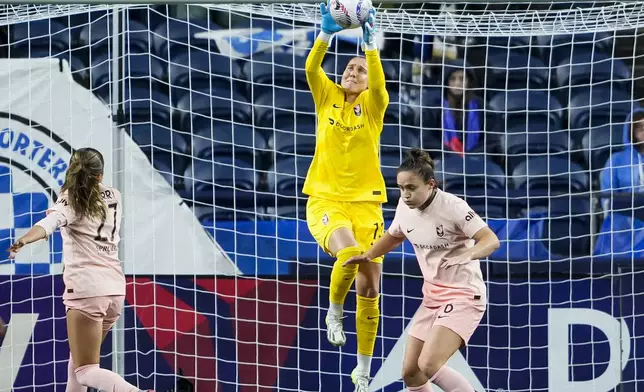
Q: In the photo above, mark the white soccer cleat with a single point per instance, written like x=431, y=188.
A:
x=360, y=380
x=334, y=330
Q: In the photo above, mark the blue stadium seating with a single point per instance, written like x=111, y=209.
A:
x=96, y=36
x=400, y=111
x=198, y=69
x=225, y=139
x=38, y=36
x=284, y=110
x=199, y=107
x=550, y=173
x=156, y=137
x=286, y=178
x=396, y=137
x=600, y=106
x=170, y=165
x=223, y=180
x=143, y=70
x=146, y=105
x=138, y=37
x=459, y=174
x=599, y=143
x=554, y=48
x=299, y=141
x=523, y=107
x=177, y=37
x=516, y=71
x=275, y=70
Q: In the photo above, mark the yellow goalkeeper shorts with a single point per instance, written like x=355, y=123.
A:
x=363, y=218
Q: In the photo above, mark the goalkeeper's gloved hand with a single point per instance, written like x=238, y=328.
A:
x=369, y=30
x=329, y=26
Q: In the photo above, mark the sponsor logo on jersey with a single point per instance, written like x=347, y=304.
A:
x=346, y=128
x=432, y=247
x=470, y=215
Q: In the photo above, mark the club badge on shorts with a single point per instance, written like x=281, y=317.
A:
x=357, y=110
x=325, y=220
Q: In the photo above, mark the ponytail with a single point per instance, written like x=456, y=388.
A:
x=420, y=163
x=81, y=183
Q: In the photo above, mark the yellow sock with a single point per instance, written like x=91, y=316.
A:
x=367, y=320
x=342, y=277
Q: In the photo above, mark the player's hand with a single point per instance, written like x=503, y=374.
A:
x=15, y=248
x=461, y=259
x=360, y=259
x=329, y=26
x=369, y=28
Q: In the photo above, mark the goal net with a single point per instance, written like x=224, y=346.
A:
x=530, y=110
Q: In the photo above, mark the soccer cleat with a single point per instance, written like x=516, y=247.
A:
x=334, y=330
x=360, y=380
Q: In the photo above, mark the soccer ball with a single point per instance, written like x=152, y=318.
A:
x=350, y=14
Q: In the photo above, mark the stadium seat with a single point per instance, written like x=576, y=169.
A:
x=298, y=141
x=96, y=36
x=400, y=110
x=171, y=166
x=200, y=70
x=431, y=141
x=396, y=138
x=146, y=105
x=231, y=182
x=177, y=37
x=553, y=49
x=460, y=174
x=389, y=163
x=592, y=68
x=600, y=107
x=155, y=137
x=143, y=70
x=199, y=107
x=282, y=70
x=516, y=71
x=100, y=74
x=537, y=139
x=550, y=173
x=287, y=176
x=138, y=37
x=208, y=215
x=397, y=72
x=284, y=110
x=295, y=211
x=226, y=139
x=38, y=36
x=598, y=145
x=524, y=107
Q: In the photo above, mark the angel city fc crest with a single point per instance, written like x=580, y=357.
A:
x=357, y=110
x=325, y=220
x=439, y=231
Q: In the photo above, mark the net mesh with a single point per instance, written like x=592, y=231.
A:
x=216, y=100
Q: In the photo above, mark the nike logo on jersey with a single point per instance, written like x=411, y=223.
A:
x=335, y=105
x=410, y=230
x=372, y=317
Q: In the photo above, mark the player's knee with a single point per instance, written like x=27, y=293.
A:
x=430, y=365
x=411, y=374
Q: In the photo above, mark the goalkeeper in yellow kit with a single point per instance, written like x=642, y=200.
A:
x=345, y=184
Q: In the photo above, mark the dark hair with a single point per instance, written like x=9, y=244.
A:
x=418, y=162
x=637, y=117
x=81, y=183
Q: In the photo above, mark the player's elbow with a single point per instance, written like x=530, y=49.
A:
x=493, y=242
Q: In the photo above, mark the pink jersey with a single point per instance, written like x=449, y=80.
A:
x=444, y=229
x=90, y=247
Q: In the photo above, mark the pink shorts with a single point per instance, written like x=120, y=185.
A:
x=104, y=309
x=461, y=317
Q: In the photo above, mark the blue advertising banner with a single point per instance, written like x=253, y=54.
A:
x=227, y=334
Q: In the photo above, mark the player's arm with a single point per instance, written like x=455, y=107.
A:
x=378, y=96
x=392, y=239
x=41, y=230
x=318, y=81
x=485, y=243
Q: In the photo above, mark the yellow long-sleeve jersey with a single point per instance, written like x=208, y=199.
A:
x=346, y=164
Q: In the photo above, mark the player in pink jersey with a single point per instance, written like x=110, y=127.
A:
x=89, y=217
x=449, y=239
